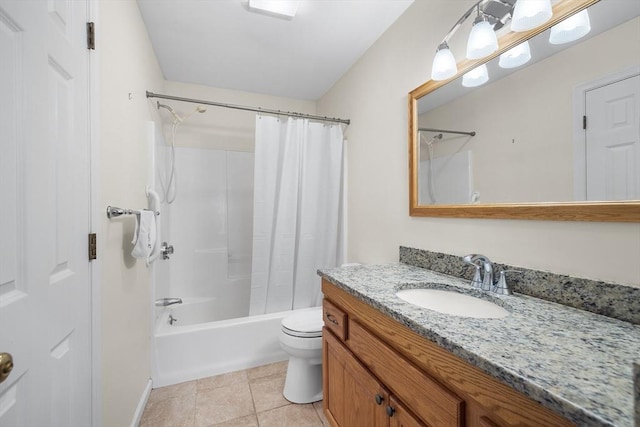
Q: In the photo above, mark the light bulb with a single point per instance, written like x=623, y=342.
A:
x=529, y=14
x=444, y=64
x=516, y=56
x=476, y=77
x=482, y=39
x=571, y=29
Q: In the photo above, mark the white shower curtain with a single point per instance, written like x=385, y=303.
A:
x=297, y=211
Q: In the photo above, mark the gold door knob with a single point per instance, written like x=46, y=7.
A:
x=6, y=365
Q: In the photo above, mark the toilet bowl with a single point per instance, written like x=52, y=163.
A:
x=301, y=338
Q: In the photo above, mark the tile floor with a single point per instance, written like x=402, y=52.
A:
x=249, y=398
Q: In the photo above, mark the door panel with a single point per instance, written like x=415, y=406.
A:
x=44, y=218
x=613, y=141
x=350, y=390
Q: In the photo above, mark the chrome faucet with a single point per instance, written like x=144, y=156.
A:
x=163, y=302
x=483, y=278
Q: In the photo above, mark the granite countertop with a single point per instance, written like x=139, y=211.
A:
x=574, y=362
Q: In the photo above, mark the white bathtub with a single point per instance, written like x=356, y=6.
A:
x=190, y=349
x=192, y=312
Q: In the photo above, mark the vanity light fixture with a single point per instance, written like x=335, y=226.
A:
x=476, y=77
x=482, y=39
x=516, y=56
x=444, y=64
x=282, y=8
x=571, y=29
x=523, y=15
x=529, y=14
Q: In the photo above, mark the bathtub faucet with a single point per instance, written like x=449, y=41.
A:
x=163, y=302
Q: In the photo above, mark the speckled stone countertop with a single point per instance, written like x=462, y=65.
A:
x=574, y=362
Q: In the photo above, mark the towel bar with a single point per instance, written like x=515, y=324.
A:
x=114, y=212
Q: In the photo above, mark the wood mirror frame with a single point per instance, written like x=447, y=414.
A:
x=623, y=211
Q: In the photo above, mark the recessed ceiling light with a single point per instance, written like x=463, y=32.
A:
x=283, y=8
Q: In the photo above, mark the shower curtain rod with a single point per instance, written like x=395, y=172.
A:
x=245, y=108
x=473, y=133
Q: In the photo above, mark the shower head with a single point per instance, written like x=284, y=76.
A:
x=199, y=109
x=432, y=139
x=177, y=118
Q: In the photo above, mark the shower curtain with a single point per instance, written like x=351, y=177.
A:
x=297, y=219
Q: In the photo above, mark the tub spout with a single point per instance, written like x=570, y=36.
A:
x=163, y=302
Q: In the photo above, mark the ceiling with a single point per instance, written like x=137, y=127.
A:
x=220, y=43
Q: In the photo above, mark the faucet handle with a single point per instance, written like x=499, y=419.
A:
x=476, y=282
x=502, y=288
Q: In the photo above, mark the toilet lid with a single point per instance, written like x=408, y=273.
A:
x=305, y=324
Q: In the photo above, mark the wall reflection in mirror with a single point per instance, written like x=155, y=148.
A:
x=529, y=144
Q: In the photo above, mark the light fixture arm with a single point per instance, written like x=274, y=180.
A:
x=468, y=13
x=463, y=18
x=482, y=43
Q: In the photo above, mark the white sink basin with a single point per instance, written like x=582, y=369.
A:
x=452, y=302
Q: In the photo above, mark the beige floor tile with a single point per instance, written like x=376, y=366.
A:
x=318, y=407
x=290, y=416
x=268, y=370
x=231, y=400
x=183, y=389
x=222, y=404
x=267, y=392
x=223, y=380
x=248, y=421
x=174, y=411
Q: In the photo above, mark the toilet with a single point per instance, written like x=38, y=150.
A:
x=301, y=338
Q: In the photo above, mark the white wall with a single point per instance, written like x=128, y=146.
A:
x=373, y=94
x=127, y=66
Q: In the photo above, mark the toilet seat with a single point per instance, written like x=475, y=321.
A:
x=305, y=324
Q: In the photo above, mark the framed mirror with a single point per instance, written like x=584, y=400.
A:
x=515, y=146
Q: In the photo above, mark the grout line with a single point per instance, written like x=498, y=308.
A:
x=253, y=400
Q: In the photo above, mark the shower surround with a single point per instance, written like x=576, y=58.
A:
x=210, y=226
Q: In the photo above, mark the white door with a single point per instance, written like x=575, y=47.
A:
x=44, y=213
x=613, y=141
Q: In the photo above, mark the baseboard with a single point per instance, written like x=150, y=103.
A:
x=137, y=416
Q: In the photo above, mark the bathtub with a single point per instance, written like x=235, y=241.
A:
x=198, y=346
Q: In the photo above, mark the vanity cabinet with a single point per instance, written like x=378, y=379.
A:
x=377, y=372
x=353, y=396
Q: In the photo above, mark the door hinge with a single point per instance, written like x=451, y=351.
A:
x=93, y=246
x=91, y=36
x=584, y=122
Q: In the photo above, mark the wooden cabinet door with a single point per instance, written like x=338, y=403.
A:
x=427, y=398
x=352, y=396
x=401, y=417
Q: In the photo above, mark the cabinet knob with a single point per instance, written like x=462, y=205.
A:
x=379, y=399
x=390, y=411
